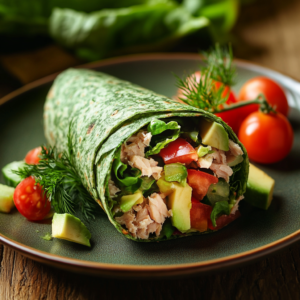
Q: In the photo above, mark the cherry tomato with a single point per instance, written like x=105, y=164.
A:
x=30, y=200
x=268, y=138
x=223, y=220
x=272, y=91
x=200, y=214
x=200, y=182
x=32, y=157
x=179, y=151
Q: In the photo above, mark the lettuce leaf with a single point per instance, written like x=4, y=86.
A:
x=162, y=134
x=149, y=27
x=126, y=177
x=220, y=208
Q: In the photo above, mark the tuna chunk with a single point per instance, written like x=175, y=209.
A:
x=147, y=166
x=235, y=149
x=135, y=145
x=158, y=209
x=221, y=170
x=139, y=220
x=112, y=188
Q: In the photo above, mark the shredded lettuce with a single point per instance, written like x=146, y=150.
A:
x=162, y=134
x=220, y=208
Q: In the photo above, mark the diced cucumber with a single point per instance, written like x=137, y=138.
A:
x=218, y=192
x=6, y=198
x=11, y=178
x=175, y=172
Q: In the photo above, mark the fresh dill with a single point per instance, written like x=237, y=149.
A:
x=220, y=61
x=201, y=92
x=57, y=174
x=208, y=90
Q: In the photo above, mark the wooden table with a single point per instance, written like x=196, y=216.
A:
x=267, y=33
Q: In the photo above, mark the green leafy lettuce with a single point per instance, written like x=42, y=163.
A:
x=127, y=178
x=162, y=134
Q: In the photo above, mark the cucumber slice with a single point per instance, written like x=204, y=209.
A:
x=260, y=188
x=11, y=178
x=6, y=198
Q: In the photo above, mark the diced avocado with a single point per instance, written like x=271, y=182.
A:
x=165, y=187
x=202, y=150
x=175, y=172
x=213, y=134
x=128, y=201
x=260, y=188
x=70, y=228
x=11, y=178
x=6, y=198
x=238, y=159
x=180, y=202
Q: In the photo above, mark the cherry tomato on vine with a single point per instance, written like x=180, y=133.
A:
x=268, y=138
x=30, y=200
x=272, y=91
x=32, y=157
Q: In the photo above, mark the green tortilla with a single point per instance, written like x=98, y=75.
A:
x=101, y=112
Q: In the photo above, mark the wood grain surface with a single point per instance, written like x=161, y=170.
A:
x=267, y=33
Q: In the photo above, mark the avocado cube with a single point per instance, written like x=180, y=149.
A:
x=70, y=228
x=128, y=201
x=6, y=198
x=260, y=186
x=180, y=201
x=213, y=134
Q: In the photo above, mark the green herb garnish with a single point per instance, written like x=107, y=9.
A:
x=219, y=60
x=57, y=174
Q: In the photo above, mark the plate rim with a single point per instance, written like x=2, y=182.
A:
x=145, y=271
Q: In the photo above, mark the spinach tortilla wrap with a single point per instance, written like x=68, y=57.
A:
x=158, y=168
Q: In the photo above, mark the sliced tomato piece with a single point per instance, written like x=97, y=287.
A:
x=200, y=181
x=200, y=214
x=32, y=157
x=179, y=151
x=223, y=220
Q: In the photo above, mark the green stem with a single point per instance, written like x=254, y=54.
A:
x=264, y=106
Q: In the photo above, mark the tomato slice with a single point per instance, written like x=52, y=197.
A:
x=30, y=200
x=200, y=181
x=179, y=151
x=200, y=214
x=32, y=157
x=223, y=220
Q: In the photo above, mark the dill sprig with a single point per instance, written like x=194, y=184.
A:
x=201, y=92
x=57, y=174
x=219, y=60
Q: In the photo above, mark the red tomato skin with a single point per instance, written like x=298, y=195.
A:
x=223, y=220
x=200, y=181
x=199, y=213
x=179, y=151
x=272, y=90
x=268, y=138
x=30, y=201
x=32, y=157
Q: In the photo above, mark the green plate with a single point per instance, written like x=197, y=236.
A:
x=254, y=235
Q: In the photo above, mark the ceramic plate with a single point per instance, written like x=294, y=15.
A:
x=256, y=234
